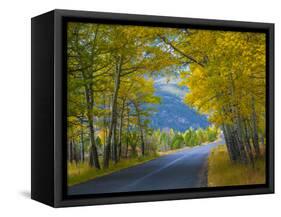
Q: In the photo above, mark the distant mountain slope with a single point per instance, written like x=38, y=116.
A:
x=172, y=112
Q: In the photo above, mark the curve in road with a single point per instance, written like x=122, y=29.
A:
x=183, y=169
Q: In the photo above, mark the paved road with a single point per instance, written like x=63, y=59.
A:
x=183, y=169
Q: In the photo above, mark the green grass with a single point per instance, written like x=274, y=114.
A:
x=81, y=172
x=222, y=172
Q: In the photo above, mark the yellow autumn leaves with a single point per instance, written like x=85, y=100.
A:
x=234, y=73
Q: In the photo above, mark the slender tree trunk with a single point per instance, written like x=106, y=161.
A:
x=82, y=142
x=120, y=130
x=82, y=157
x=248, y=144
x=141, y=130
x=70, y=151
x=113, y=112
x=255, y=129
x=237, y=124
x=229, y=145
x=240, y=142
x=127, y=146
x=134, y=149
x=262, y=139
x=74, y=152
x=94, y=160
x=233, y=143
x=114, y=144
x=128, y=130
x=104, y=125
x=231, y=139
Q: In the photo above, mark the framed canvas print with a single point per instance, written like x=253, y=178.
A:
x=130, y=108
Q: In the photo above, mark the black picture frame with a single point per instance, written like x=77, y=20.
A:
x=48, y=148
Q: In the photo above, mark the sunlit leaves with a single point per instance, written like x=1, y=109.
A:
x=233, y=74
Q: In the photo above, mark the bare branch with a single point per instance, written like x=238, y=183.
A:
x=180, y=52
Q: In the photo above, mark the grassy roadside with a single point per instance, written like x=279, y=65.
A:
x=221, y=172
x=81, y=172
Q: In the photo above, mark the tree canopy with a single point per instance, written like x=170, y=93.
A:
x=111, y=71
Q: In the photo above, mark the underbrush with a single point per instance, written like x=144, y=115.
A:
x=222, y=172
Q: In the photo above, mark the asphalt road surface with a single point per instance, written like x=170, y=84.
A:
x=183, y=169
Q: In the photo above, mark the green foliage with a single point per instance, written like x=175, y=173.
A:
x=111, y=71
x=190, y=138
x=177, y=142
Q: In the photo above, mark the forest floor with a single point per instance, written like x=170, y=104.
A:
x=221, y=172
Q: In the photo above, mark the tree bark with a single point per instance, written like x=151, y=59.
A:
x=140, y=127
x=128, y=131
x=74, y=152
x=229, y=144
x=240, y=142
x=120, y=130
x=104, y=125
x=237, y=123
x=255, y=129
x=113, y=111
x=248, y=144
x=70, y=151
x=114, y=144
x=94, y=160
x=82, y=142
x=233, y=143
